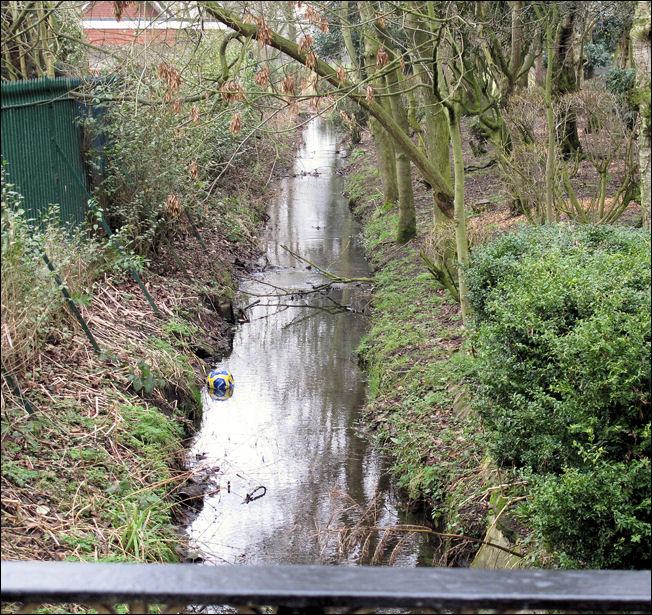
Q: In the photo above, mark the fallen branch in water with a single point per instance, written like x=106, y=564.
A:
x=251, y=497
x=329, y=274
x=287, y=292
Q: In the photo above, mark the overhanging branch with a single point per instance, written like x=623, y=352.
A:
x=442, y=190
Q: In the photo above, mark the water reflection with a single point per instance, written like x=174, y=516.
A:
x=291, y=424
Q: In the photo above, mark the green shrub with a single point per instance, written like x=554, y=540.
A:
x=598, y=518
x=562, y=337
x=164, y=159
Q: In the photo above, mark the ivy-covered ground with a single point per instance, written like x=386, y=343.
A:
x=415, y=362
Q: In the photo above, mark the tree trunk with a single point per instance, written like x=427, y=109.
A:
x=539, y=72
x=640, y=36
x=565, y=82
x=437, y=135
x=461, y=235
x=386, y=159
x=516, y=57
x=552, y=36
x=289, y=20
x=407, y=220
x=383, y=142
x=348, y=39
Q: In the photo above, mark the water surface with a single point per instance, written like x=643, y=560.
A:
x=292, y=424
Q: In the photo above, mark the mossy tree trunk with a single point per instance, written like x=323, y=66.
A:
x=407, y=225
x=385, y=154
x=552, y=36
x=426, y=70
x=640, y=37
x=407, y=219
x=566, y=81
x=461, y=235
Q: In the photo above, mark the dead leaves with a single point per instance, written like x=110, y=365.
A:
x=173, y=205
x=287, y=85
x=172, y=79
x=313, y=16
x=305, y=43
x=119, y=8
x=194, y=115
x=232, y=91
x=288, y=88
x=262, y=77
x=382, y=57
x=264, y=32
x=236, y=124
x=305, y=46
x=346, y=118
x=194, y=169
x=311, y=60
x=170, y=75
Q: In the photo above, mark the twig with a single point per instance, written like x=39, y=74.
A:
x=424, y=530
x=329, y=274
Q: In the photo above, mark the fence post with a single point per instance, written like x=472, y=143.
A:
x=12, y=383
x=71, y=303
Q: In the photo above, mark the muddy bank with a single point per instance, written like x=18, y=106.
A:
x=95, y=468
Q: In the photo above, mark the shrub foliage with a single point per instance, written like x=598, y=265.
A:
x=563, y=378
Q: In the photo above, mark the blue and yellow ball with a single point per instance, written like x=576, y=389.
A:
x=220, y=395
x=219, y=381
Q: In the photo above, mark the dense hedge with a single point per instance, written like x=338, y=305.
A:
x=562, y=338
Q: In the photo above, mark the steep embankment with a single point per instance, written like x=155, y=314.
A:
x=565, y=416
x=417, y=363
x=93, y=454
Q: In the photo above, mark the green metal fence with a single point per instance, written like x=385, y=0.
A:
x=39, y=129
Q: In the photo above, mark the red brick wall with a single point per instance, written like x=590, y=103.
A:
x=104, y=10
x=137, y=10
x=126, y=37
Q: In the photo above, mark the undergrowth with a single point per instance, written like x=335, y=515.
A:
x=90, y=443
x=562, y=336
x=413, y=356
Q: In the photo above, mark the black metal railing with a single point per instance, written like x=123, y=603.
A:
x=314, y=589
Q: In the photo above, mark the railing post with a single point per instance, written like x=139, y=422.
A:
x=14, y=385
x=71, y=303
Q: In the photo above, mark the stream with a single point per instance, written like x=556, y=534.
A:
x=294, y=478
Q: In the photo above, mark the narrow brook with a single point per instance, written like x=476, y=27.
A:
x=291, y=429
